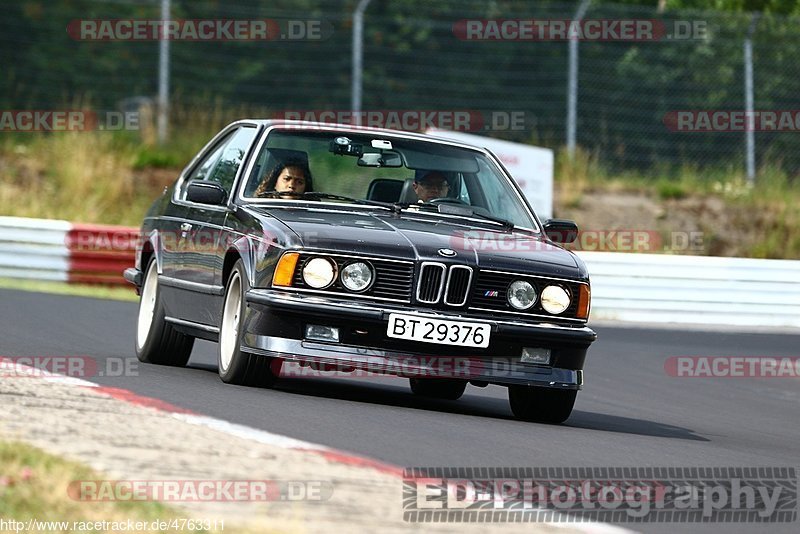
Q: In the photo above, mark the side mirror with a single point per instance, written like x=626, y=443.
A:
x=561, y=230
x=204, y=192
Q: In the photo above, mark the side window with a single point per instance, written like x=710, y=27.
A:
x=232, y=155
x=206, y=166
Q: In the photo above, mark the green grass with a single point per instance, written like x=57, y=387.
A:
x=125, y=293
x=34, y=485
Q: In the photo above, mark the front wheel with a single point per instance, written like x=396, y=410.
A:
x=541, y=405
x=157, y=341
x=235, y=366
x=438, y=388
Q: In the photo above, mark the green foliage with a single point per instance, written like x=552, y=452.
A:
x=668, y=190
x=156, y=158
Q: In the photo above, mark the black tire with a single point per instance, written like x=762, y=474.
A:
x=235, y=366
x=158, y=342
x=438, y=388
x=541, y=405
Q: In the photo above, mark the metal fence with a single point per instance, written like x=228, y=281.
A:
x=415, y=57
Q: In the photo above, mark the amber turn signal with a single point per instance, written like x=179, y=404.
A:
x=284, y=271
x=584, y=301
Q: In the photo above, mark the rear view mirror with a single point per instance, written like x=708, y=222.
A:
x=204, y=192
x=387, y=158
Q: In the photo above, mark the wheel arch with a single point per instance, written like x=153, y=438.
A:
x=238, y=250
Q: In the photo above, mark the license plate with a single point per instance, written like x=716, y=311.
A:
x=439, y=331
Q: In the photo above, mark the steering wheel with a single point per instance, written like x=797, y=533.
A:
x=447, y=200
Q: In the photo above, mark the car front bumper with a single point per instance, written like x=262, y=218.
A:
x=275, y=326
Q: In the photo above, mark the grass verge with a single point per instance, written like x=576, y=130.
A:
x=34, y=487
x=79, y=290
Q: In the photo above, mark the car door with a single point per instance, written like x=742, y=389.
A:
x=205, y=246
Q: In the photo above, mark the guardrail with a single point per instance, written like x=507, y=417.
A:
x=694, y=289
x=627, y=287
x=43, y=249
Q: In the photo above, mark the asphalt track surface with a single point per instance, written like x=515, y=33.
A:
x=630, y=413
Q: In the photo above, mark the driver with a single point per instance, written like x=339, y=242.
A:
x=291, y=177
x=430, y=185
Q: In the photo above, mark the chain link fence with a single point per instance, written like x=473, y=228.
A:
x=416, y=56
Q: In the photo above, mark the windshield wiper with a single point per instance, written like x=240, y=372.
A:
x=463, y=210
x=506, y=223
x=330, y=196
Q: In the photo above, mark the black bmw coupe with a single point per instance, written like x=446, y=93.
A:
x=338, y=247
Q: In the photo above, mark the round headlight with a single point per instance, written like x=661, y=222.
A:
x=319, y=273
x=356, y=276
x=521, y=295
x=555, y=299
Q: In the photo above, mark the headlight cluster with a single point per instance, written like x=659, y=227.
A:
x=521, y=295
x=357, y=276
x=320, y=273
x=555, y=299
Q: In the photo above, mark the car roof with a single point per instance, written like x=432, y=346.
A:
x=337, y=127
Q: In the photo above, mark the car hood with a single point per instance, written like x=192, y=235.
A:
x=415, y=237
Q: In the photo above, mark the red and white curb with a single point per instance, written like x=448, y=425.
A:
x=254, y=434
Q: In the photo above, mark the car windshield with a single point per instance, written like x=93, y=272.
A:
x=423, y=177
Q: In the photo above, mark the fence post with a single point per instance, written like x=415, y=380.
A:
x=750, y=135
x=358, y=60
x=163, y=74
x=572, y=81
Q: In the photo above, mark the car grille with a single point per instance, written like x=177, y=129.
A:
x=393, y=280
x=491, y=288
x=431, y=282
x=458, y=285
x=436, y=279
